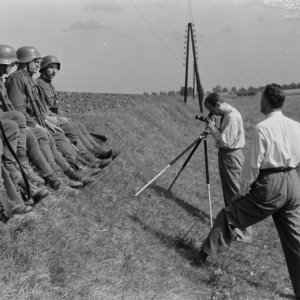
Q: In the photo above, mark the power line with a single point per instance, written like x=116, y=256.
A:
x=153, y=31
x=167, y=33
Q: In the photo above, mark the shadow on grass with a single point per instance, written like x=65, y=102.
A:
x=190, y=209
x=186, y=249
x=182, y=246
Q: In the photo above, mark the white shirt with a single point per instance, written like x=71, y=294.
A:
x=231, y=134
x=275, y=144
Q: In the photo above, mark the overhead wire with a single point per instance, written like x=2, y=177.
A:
x=153, y=30
x=167, y=32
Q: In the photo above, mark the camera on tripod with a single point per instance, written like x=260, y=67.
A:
x=205, y=119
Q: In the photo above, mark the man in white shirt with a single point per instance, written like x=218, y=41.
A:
x=269, y=186
x=230, y=139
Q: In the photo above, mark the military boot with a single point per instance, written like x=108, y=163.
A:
x=12, y=207
x=52, y=181
x=69, y=192
x=36, y=194
x=67, y=180
x=100, y=153
x=75, y=176
x=87, y=163
x=3, y=217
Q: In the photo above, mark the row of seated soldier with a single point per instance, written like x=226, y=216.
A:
x=42, y=150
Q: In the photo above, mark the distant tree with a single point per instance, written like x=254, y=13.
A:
x=171, y=93
x=293, y=86
x=217, y=89
x=242, y=92
x=162, y=93
x=260, y=89
x=251, y=91
x=146, y=94
x=189, y=91
x=225, y=90
x=233, y=90
x=154, y=94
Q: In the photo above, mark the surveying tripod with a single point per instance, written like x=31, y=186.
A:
x=202, y=136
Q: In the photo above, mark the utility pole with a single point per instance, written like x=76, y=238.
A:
x=187, y=62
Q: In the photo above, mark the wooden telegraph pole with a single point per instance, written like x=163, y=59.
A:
x=187, y=62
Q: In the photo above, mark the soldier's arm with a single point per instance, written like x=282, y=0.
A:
x=16, y=93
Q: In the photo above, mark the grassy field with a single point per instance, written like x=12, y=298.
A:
x=109, y=244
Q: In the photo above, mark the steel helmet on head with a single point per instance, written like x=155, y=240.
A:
x=27, y=54
x=48, y=60
x=7, y=55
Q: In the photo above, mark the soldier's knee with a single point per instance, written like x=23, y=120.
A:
x=31, y=140
x=17, y=117
x=20, y=119
x=41, y=134
x=10, y=128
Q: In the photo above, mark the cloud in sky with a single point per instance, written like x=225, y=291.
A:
x=110, y=6
x=86, y=26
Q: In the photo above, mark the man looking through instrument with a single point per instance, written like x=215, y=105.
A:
x=230, y=140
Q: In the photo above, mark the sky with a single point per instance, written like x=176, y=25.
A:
x=136, y=46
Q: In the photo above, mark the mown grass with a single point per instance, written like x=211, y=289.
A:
x=109, y=244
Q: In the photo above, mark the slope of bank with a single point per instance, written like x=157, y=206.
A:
x=109, y=244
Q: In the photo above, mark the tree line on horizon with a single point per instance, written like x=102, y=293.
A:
x=250, y=91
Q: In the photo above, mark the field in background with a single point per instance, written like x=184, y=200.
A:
x=108, y=244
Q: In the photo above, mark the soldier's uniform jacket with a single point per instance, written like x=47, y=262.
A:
x=48, y=95
x=18, y=94
x=5, y=103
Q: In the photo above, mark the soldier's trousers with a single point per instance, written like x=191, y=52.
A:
x=12, y=134
x=64, y=146
x=9, y=197
x=49, y=150
x=276, y=194
x=35, y=154
x=77, y=133
x=20, y=119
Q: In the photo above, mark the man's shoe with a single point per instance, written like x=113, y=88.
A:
x=3, y=217
x=87, y=163
x=86, y=180
x=104, y=163
x=75, y=184
x=70, y=192
x=99, y=153
x=95, y=171
x=73, y=175
x=87, y=156
x=39, y=195
x=115, y=153
x=200, y=259
x=52, y=181
x=22, y=210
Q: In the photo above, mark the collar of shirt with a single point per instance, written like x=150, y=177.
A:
x=274, y=113
x=227, y=108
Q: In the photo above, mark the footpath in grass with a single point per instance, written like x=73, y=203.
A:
x=109, y=244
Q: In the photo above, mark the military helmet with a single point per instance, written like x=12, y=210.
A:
x=7, y=55
x=48, y=60
x=27, y=54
